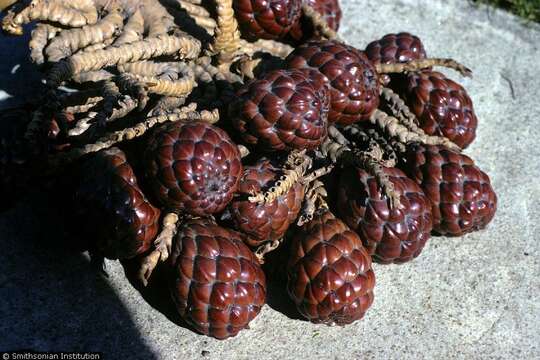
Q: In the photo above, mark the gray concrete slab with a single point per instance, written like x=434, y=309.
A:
x=474, y=297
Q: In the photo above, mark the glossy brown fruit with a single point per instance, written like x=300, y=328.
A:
x=283, y=110
x=111, y=209
x=270, y=221
x=193, y=167
x=460, y=193
x=331, y=13
x=395, y=48
x=266, y=19
x=330, y=276
x=218, y=285
x=390, y=235
x=442, y=106
x=352, y=79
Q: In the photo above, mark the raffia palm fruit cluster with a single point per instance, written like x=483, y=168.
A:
x=441, y=105
x=200, y=140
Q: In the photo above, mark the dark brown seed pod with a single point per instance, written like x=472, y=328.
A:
x=283, y=110
x=264, y=221
x=218, y=285
x=330, y=276
x=193, y=167
x=351, y=77
x=111, y=210
x=266, y=19
x=331, y=13
x=390, y=235
x=395, y=48
x=442, y=107
x=460, y=193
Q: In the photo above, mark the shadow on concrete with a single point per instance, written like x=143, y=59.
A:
x=156, y=294
x=53, y=298
x=278, y=299
x=276, y=278
x=20, y=80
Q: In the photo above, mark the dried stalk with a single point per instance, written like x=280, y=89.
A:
x=68, y=13
x=69, y=41
x=416, y=65
x=133, y=30
x=134, y=132
x=318, y=22
x=162, y=247
x=314, y=200
x=366, y=160
x=40, y=37
x=400, y=110
x=227, y=39
x=297, y=165
x=265, y=248
x=393, y=128
x=185, y=46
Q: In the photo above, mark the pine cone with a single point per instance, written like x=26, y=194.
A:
x=330, y=275
x=460, y=193
x=270, y=221
x=331, y=13
x=389, y=235
x=353, y=81
x=442, y=106
x=395, y=48
x=266, y=19
x=193, y=167
x=111, y=209
x=219, y=286
x=284, y=110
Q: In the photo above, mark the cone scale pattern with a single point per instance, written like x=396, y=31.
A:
x=442, y=107
x=218, y=286
x=460, y=193
x=266, y=19
x=395, y=48
x=267, y=221
x=282, y=111
x=390, y=235
x=193, y=167
x=351, y=77
x=111, y=209
x=329, y=272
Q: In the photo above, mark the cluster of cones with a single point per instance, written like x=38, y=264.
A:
x=204, y=136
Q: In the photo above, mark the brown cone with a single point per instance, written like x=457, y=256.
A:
x=389, y=235
x=264, y=221
x=283, y=110
x=351, y=77
x=460, y=193
x=266, y=19
x=330, y=275
x=442, y=107
x=193, y=167
x=110, y=208
x=395, y=48
x=218, y=285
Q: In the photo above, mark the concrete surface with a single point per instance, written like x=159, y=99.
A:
x=475, y=297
